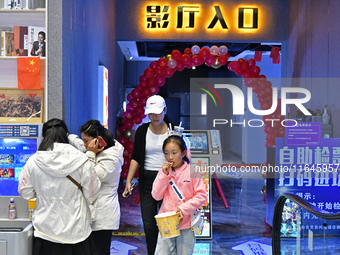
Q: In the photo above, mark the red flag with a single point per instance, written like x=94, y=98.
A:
x=28, y=72
x=258, y=56
x=276, y=60
x=274, y=52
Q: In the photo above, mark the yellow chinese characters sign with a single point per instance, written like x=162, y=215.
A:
x=191, y=17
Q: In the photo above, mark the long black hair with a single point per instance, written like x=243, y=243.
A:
x=94, y=129
x=179, y=141
x=54, y=130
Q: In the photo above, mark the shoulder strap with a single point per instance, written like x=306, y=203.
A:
x=75, y=182
x=176, y=190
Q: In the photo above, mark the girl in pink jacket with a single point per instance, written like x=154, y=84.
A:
x=190, y=184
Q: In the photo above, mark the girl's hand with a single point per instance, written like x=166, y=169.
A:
x=180, y=219
x=94, y=146
x=166, y=167
x=127, y=190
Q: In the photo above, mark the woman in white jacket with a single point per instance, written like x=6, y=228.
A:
x=107, y=162
x=62, y=218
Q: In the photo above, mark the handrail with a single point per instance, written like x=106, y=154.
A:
x=323, y=214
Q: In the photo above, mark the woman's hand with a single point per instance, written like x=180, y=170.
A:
x=94, y=146
x=127, y=190
x=180, y=219
x=167, y=167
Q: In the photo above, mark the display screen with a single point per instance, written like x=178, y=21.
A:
x=197, y=141
x=14, y=154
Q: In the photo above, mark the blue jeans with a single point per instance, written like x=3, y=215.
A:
x=179, y=245
x=149, y=208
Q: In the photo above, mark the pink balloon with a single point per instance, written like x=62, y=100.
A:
x=128, y=114
x=129, y=97
x=172, y=63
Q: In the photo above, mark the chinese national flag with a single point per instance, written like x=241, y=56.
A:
x=274, y=52
x=258, y=56
x=276, y=60
x=28, y=72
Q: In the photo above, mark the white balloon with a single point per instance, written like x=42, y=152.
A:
x=195, y=49
x=223, y=50
x=214, y=50
x=172, y=63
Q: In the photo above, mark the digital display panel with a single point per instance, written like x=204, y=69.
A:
x=14, y=154
x=197, y=141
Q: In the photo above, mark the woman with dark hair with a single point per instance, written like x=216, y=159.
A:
x=61, y=218
x=149, y=157
x=107, y=162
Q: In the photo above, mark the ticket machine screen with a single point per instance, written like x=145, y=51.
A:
x=14, y=154
x=197, y=142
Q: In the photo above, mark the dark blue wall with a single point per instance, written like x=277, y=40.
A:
x=88, y=41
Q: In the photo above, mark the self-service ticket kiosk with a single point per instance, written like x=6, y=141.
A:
x=206, y=151
x=17, y=143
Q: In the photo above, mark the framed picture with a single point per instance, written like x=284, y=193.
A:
x=21, y=106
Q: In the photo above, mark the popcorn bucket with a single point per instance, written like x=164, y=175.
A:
x=168, y=224
x=31, y=207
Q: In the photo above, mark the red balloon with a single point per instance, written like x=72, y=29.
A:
x=271, y=137
x=151, y=82
x=143, y=84
x=159, y=71
x=135, y=93
x=128, y=114
x=210, y=60
x=235, y=65
x=280, y=132
x=238, y=72
x=176, y=54
x=129, y=146
x=197, y=60
x=139, y=87
x=128, y=124
x=255, y=70
x=222, y=60
x=139, y=110
x=230, y=66
x=138, y=119
x=122, y=129
x=153, y=64
x=142, y=101
x=246, y=74
x=189, y=65
x=241, y=60
x=264, y=105
x=251, y=62
x=180, y=66
x=146, y=92
x=187, y=51
x=262, y=77
x=204, y=52
x=162, y=62
x=244, y=66
x=129, y=97
x=168, y=72
x=160, y=81
x=142, y=78
x=134, y=102
x=154, y=90
x=269, y=129
x=269, y=143
x=185, y=59
x=123, y=140
x=248, y=82
x=126, y=164
x=149, y=73
x=129, y=107
x=126, y=153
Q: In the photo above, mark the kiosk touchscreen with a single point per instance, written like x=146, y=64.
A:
x=205, y=151
x=18, y=142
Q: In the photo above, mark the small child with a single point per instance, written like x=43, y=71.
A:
x=177, y=169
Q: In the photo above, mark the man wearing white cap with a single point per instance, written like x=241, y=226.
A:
x=148, y=155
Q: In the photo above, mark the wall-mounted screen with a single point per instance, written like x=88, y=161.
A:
x=14, y=153
x=197, y=141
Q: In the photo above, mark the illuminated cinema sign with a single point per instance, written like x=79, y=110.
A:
x=187, y=17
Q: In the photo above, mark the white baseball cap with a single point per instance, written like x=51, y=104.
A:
x=154, y=104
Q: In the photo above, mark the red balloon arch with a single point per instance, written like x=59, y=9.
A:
x=154, y=77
